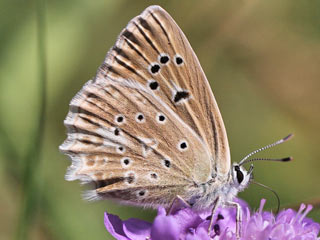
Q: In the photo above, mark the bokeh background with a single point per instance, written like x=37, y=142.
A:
x=262, y=59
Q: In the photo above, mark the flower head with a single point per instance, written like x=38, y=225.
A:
x=189, y=225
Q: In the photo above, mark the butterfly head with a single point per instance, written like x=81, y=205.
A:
x=241, y=177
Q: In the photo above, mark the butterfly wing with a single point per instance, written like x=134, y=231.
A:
x=154, y=42
x=147, y=127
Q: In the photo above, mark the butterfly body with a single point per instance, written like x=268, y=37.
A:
x=223, y=187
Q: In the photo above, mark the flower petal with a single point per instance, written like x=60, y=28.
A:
x=165, y=227
x=186, y=219
x=137, y=229
x=114, y=225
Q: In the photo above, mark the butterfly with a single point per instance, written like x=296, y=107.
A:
x=147, y=130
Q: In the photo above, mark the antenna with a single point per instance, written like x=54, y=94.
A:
x=286, y=159
x=244, y=160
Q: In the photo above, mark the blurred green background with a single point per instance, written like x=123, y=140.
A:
x=262, y=59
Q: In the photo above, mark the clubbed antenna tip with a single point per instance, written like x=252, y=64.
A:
x=287, y=159
x=288, y=137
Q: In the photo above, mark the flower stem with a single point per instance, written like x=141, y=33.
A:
x=30, y=187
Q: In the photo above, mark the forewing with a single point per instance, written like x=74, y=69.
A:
x=153, y=50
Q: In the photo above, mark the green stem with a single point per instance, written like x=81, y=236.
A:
x=30, y=188
x=11, y=157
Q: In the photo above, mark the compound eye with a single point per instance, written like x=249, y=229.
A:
x=239, y=174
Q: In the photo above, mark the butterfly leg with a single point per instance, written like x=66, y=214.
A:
x=214, y=208
x=177, y=204
x=238, y=217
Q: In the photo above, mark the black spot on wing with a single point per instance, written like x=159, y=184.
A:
x=164, y=59
x=179, y=60
x=142, y=193
x=130, y=179
x=117, y=132
x=167, y=163
x=183, y=145
x=155, y=68
x=180, y=95
x=153, y=85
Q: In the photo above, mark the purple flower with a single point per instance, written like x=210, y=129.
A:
x=189, y=225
